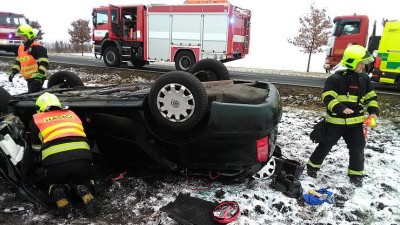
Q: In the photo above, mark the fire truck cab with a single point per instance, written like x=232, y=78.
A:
x=9, y=23
x=183, y=34
x=346, y=30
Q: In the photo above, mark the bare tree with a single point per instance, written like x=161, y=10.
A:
x=36, y=25
x=313, y=32
x=80, y=32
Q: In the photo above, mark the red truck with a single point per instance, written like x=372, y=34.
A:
x=385, y=48
x=9, y=23
x=346, y=30
x=183, y=34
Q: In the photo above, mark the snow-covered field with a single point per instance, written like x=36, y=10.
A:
x=376, y=202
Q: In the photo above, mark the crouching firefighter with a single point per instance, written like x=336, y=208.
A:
x=345, y=94
x=59, y=135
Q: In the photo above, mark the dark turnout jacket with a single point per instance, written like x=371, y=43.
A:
x=348, y=89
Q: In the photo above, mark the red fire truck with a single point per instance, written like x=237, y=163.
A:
x=346, y=30
x=9, y=23
x=183, y=34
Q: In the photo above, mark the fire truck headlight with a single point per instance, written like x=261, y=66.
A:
x=232, y=20
x=9, y=36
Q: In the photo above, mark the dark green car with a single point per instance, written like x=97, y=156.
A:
x=225, y=127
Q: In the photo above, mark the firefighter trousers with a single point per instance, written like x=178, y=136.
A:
x=35, y=85
x=353, y=136
x=72, y=173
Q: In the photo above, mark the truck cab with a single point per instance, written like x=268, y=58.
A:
x=346, y=30
x=118, y=34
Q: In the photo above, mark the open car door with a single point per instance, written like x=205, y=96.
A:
x=14, y=156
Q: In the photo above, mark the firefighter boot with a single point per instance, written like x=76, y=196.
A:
x=356, y=180
x=311, y=171
x=62, y=202
x=87, y=198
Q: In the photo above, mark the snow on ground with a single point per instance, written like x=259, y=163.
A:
x=377, y=202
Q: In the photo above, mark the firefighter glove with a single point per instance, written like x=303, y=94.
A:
x=11, y=76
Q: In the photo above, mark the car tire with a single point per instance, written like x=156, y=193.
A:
x=210, y=70
x=184, y=60
x=64, y=79
x=111, y=57
x=5, y=96
x=137, y=63
x=182, y=109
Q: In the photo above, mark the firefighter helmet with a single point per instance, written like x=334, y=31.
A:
x=355, y=54
x=47, y=101
x=27, y=31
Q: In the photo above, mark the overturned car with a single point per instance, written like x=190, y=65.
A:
x=182, y=121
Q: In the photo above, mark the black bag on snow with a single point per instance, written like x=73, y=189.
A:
x=288, y=185
x=318, y=132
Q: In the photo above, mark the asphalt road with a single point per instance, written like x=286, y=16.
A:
x=294, y=80
x=273, y=78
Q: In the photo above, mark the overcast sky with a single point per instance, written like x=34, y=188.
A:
x=273, y=22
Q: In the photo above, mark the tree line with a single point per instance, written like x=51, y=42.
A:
x=79, y=40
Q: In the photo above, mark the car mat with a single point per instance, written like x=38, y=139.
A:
x=188, y=210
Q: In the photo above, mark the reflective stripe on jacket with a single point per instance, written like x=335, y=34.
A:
x=64, y=147
x=58, y=124
x=27, y=62
x=347, y=89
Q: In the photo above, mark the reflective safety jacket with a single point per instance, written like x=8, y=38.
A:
x=62, y=136
x=348, y=89
x=31, y=60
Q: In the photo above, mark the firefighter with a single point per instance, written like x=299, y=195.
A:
x=65, y=154
x=345, y=94
x=32, y=61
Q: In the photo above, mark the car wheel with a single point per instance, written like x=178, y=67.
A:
x=210, y=70
x=137, y=63
x=111, y=57
x=4, y=98
x=178, y=100
x=184, y=60
x=64, y=79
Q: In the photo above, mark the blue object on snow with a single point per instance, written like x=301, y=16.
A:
x=313, y=199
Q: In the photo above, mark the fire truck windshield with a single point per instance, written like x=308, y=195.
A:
x=101, y=17
x=12, y=20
